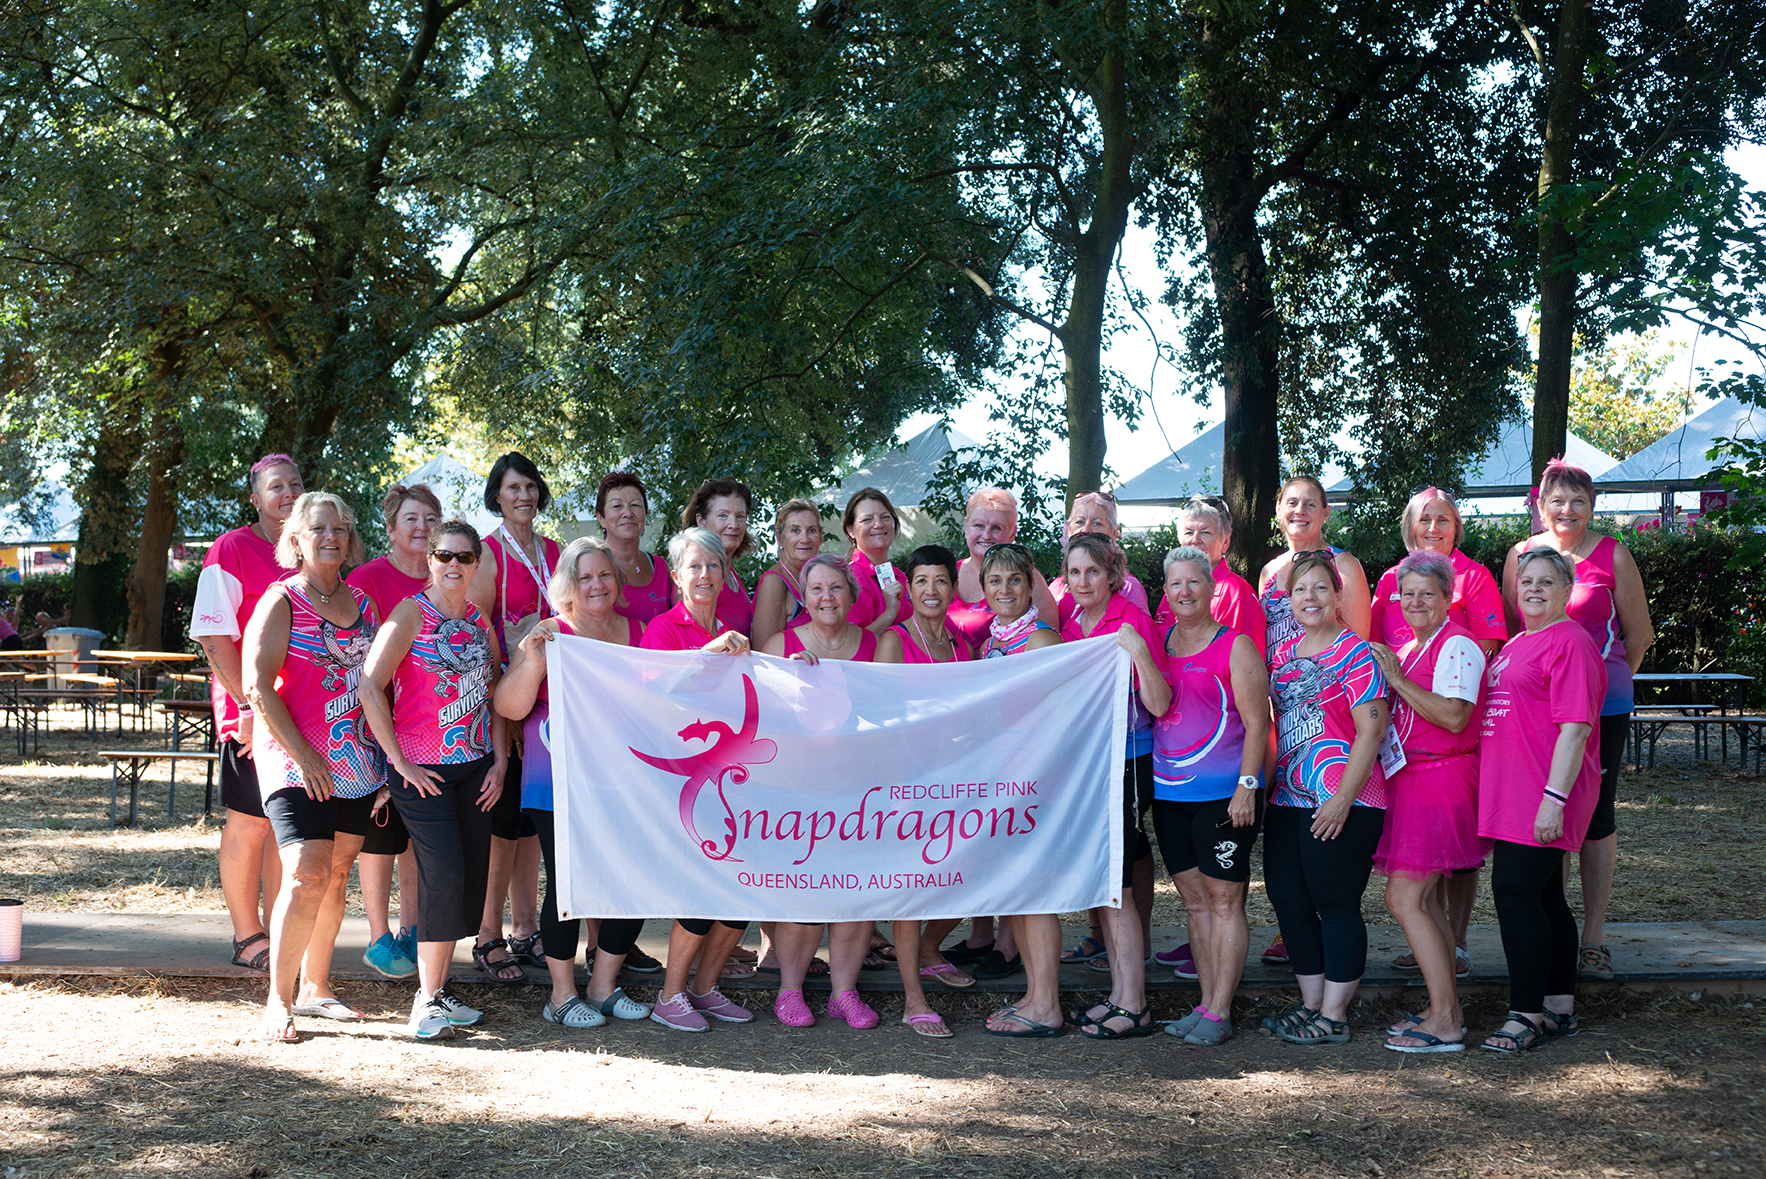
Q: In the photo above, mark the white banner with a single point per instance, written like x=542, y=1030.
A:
x=754, y=788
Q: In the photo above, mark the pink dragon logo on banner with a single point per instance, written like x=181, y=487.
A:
x=729, y=757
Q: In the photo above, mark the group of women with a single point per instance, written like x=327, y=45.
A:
x=1345, y=728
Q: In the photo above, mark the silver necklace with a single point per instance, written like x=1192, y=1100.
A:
x=931, y=652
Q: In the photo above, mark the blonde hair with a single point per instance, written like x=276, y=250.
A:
x=1414, y=510
x=561, y=587
x=991, y=499
x=288, y=544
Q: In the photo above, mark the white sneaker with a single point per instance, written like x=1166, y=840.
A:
x=428, y=1021
x=458, y=1014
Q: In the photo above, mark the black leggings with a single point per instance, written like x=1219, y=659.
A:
x=1604, y=821
x=1316, y=886
x=618, y=934
x=1538, y=930
x=452, y=838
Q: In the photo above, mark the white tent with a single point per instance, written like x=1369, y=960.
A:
x=458, y=486
x=1679, y=455
x=61, y=527
x=903, y=473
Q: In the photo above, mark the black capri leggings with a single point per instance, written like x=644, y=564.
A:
x=617, y=935
x=1538, y=930
x=1316, y=886
x=1605, y=821
x=452, y=838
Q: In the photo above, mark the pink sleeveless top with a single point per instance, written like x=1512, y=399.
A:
x=442, y=689
x=970, y=621
x=1199, y=744
x=1423, y=740
x=1594, y=605
x=791, y=595
x=913, y=652
x=644, y=602
x=318, y=684
x=867, y=645
x=520, y=591
x=735, y=607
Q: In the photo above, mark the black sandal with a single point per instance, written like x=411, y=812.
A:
x=259, y=960
x=529, y=950
x=1099, y=1029
x=1526, y=1040
x=481, y=958
x=1563, y=1026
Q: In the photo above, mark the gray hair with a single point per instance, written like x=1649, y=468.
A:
x=703, y=539
x=561, y=589
x=1558, y=561
x=828, y=561
x=1190, y=554
x=1427, y=563
x=1200, y=509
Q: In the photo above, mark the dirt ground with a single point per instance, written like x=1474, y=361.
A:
x=127, y=1078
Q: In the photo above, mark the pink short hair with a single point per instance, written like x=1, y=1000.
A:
x=992, y=499
x=1559, y=473
x=268, y=461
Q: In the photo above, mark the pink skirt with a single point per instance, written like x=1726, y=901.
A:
x=1432, y=820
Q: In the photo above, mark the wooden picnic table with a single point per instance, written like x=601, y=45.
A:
x=137, y=662
x=194, y=719
x=1649, y=721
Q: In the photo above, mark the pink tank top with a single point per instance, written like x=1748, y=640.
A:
x=970, y=621
x=318, y=684
x=1199, y=744
x=1594, y=604
x=913, y=652
x=867, y=645
x=521, y=589
x=644, y=602
x=442, y=689
x=791, y=595
x=735, y=608
x=1423, y=740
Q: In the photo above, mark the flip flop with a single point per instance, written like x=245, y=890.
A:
x=282, y=1033
x=930, y=1024
x=1429, y=1043
x=947, y=974
x=1032, y=1029
x=333, y=1008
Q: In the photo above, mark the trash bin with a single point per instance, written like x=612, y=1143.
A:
x=70, y=645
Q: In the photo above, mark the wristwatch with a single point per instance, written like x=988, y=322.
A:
x=1248, y=781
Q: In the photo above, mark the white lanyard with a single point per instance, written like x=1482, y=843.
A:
x=540, y=576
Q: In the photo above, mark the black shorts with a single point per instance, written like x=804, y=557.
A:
x=239, y=781
x=386, y=834
x=296, y=817
x=699, y=927
x=508, y=820
x=1605, y=820
x=1201, y=835
x=1137, y=796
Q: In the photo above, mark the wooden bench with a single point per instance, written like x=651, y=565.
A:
x=132, y=763
x=1650, y=727
x=25, y=708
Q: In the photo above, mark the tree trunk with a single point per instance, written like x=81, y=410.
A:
x=106, y=518
x=1082, y=336
x=159, y=518
x=1557, y=244
x=1249, y=329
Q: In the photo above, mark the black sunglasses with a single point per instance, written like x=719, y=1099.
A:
x=444, y=556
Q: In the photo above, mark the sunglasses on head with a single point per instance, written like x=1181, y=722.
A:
x=444, y=556
x=1010, y=546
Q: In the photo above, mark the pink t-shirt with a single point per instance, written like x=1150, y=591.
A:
x=1476, y=605
x=870, y=593
x=676, y=630
x=1315, y=698
x=1594, y=604
x=318, y=683
x=1537, y=682
x=913, y=652
x=386, y=584
x=1450, y=664
x=1119, y=612
x=236, y=571
x=1234, y=605
x=644, y=602
x=442, y=689
x=521, y=589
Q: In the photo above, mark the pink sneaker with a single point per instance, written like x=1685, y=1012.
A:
x=790, y=1010
x=714, y=1004
x=678, y=1013
x=1181, y=961
x=855, y=1011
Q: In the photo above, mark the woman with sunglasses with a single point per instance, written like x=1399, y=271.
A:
x=587, y=595
x=426, y=692
x=1094, y=570
x=1327, y=800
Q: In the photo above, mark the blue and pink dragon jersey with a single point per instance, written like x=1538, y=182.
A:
x=1315, y=698
x=318, y=683
x=1278, y=613
x=442, y=689
x=1199, y=744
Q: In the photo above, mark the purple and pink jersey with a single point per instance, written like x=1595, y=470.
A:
x=237, y=570
x=386, y=584
x=442, y=689
x=1199, y=744
x=913, y=652
x=536, y=731
x=644, y=602
x=1537, y=682
x=1234, y=605
x=1120, y=612
x=1476, y=606
x=318, y=683
x=1315, y=699
x=1594, y=604
x=520, y=590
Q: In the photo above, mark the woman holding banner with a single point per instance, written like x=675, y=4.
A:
x=1207, y=774
x=829, y=589
x=1094, y=573
x=697, y=556
x=587, y=592
x=722, y=506
x=437, y=657
x=622, y=507
x=1327, y=805
x=778, y=594
x=1008, y=580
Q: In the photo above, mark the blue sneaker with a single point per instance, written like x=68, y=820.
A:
x=407, y=940
x=384, y=957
